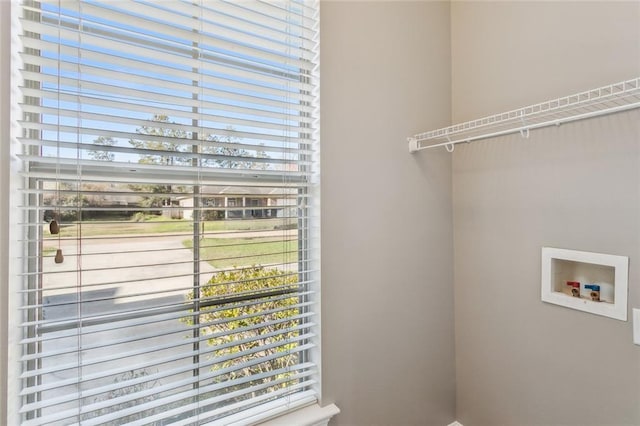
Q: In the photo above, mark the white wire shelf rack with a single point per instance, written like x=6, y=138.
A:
x=609, y=99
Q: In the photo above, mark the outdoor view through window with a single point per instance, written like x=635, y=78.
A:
x=169, y=211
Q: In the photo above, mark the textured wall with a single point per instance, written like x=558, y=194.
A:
x=386, y=215
x=520, y=361
x=509, y=54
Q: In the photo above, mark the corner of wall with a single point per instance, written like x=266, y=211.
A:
x=386, y=268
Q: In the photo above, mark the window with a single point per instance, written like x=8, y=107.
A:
x=169, y=211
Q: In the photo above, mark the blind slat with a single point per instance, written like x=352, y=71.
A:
x=258, y=94
x=72, y=413
x=210, y=32
x=69, y=168
x=293, y=376
x=162, y=310
x=122, y=315
x=117, y=40
x=109, y=119
x=172, y=344
x=195, y=406
x=208, y=103
x=218, y=73
x=93, y=131
x=180, y=356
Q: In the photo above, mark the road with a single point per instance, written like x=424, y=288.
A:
x=121, y=275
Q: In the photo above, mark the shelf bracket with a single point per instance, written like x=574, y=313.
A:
x=524, y=131
x=413, y=145
x=450, y=147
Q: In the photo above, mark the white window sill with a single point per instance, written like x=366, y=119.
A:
x=311, y=415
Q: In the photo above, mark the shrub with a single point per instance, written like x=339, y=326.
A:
x=129, y=391
x=226, y=322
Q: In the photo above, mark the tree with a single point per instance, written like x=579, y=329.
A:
x=65, y=201
x=164, y=141
x=262, y=154
x=263, y=326
x=167, y=139
x=231, y=156
x=103, y=155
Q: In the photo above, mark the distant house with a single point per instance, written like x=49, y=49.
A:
x=109, y=199
x=231, y=202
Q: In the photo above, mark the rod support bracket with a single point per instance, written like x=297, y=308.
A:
x=413, y=144
x=450, y=147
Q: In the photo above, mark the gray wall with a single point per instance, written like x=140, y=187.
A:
x=386, y=215
x=520, y=361
x=506, y=55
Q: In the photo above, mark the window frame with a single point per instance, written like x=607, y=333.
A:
x=310, y=226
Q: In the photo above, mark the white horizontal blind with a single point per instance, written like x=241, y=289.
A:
x=169, y=204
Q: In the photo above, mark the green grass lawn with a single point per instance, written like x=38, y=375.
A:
x=219, y=252
x=229, y=252
x=48, y=251
x=159, y=225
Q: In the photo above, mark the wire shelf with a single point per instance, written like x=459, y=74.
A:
x=603, y=100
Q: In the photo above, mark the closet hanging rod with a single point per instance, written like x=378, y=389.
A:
x=609, y=99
